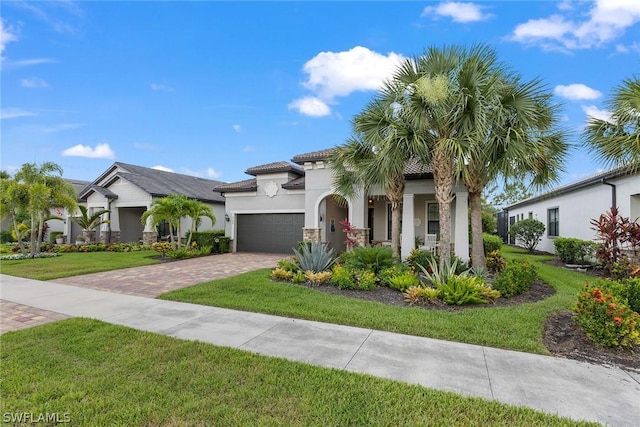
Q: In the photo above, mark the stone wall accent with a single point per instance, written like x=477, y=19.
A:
x=115, y=237
x=89, y=236
x=149, y=237
x=313, y=234
x=361, y=236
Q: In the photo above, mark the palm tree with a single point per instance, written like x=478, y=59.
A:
x=170, y=209
x=521, y=142
x=196, y=210
x=376, y=157
x=41, y=189
x=617, y=141
x=447, y=94
x=89, y=222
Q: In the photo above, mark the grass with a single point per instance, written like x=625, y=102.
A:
x=75, y=263
x=516, y=328
x=99, y=374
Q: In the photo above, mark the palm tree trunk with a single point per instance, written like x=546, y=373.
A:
x=33, y=235
x=477, y=244
x=443, y=178
x=395, y=197
x=40, y=226
x=23, y=250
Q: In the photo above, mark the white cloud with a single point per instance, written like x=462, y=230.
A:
x=61, y=127
x=160, y=87
x=576, y=92
x=604, y=21
x=633, y=47
x=34, y=83
x=212, y=173
x=26, y=62
x=12, y=113
x=594, y=112
x=310, y=106
x=162, y=168
x=7, y=36
x=101, y=151
x=237, y=128
x=457, y=11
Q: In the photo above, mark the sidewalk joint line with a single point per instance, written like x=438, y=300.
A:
x=486, y=367
x=358, y=350
x=284, y=319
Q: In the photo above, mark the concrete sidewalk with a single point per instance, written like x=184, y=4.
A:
x=578, y=390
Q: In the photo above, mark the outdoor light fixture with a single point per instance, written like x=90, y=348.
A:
x=321, y=219
x=226, y=217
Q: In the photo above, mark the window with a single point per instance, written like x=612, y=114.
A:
x=553, y=222
x=530, y=215
x=389, y=227
x=433, y=219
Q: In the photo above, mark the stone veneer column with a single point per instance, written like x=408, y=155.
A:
x=362, y=236
x=149, y=237
x=312, y=234
x=104, y=237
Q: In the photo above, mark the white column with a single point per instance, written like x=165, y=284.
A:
x=461, y=225
x=358, y=211
x=408, y=239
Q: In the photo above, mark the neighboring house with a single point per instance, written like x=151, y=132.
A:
x=285, y=203
x=63, y=225
x=568, y=210
x=128, y=190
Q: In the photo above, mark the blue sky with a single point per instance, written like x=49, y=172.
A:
x=213, y=88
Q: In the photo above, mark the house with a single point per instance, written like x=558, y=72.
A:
x=285, y=203
x=128, y=191
x=568, y=210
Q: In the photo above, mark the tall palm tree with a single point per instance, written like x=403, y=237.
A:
x=89, y=222
x=521, y=142
x=447, y=93
x=170, y=209
x=617, y=141
x=376, y=157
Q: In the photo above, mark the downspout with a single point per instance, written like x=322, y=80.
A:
x=613, y=192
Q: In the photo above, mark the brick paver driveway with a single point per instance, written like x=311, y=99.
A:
x=147, y=281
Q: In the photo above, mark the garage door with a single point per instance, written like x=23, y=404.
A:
x=274, y=233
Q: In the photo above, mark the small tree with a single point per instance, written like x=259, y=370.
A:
x=89, y=222
x=528, y=232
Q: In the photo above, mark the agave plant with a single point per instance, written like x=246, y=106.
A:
x=439, y=276
x=315, y=257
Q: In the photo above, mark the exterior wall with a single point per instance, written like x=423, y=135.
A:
x=577, y=208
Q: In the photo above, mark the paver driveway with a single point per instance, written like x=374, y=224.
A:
x=147, y=281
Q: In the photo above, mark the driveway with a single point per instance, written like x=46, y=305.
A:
x=147, y=281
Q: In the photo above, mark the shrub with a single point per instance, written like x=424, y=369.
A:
x=317, y=278
x=421, y=295
x=610, y=228
x=365, y=280
x=208, y=238
x=281, y=274
x=184, y=253
x=491, y=243
x=54, y=235
x=495, y=262
x=404, y=281
x=574, y=251
x=528, y=232
x=343, y=277
x=463, y=289
x=517, y=277
x=372, y=258
x=605, y=319
x=314, y=256
x=288, y=264
x=417, y=257
x=436, y=275
x=298, y=277
x=631, y=292
x=6, y=236
x=162, y=248
x=387, y=274
x=224, y=244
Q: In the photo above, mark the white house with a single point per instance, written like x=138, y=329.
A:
x=285, y=203
x=128, y=190
x=568, y=210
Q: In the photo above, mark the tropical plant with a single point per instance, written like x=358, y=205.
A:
x=196, y=210
x=372, y=258
x=315, y=257
x=421, y=295
x=495, y=262
x=424, y=258
x=517, y=277
x=463, y=289
x=528, y=232
x=439, y=274
x=404, y=281
x=609, y=228
x=90, y=221
x=317, y=278
x=573, y=251
x=33, y=191
x=281, y=274
x=616, y=140
x=349, y=231
x=170, y=209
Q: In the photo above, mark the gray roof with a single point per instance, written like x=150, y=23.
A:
x=314, y=156
x=246, y=185
x=294, y=184
x=161, y=183
x=79, y=185
x=274, y=168
x=568, y=188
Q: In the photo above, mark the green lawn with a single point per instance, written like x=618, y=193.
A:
x=75, y=263
x=517, y=328
x=100, y=374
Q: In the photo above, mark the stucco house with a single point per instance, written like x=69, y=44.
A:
x=567, y=211
x=285, y=203
x=128, y=190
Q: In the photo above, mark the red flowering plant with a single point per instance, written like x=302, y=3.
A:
x=605, y=318
x=350, y=231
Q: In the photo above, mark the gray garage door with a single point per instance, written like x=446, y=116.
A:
x=273, y=233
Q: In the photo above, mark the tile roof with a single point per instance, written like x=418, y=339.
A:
x=294, y=184
x=230, y=187
x=313, y=156
x=274, y=167
x=161, y=183
x=416, y=169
